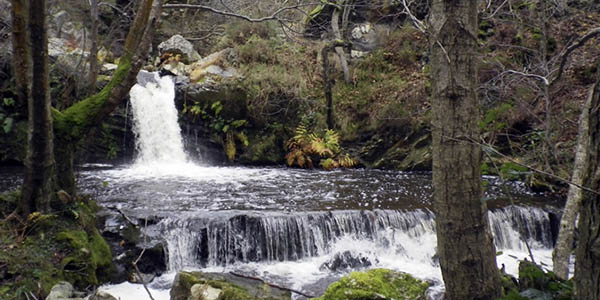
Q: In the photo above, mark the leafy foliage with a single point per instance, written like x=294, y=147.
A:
x=306, y=147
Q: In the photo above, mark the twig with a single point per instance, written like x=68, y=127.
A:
x=139, y=274
x=126, y=217
x=134, y=263
x=272, y=284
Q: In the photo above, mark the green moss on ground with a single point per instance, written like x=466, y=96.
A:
x=44, y=249
x=376, y=284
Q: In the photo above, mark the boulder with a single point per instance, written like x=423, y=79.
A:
x=217, y=64
x=61, y=291
x=224, y=286
x=177, y=45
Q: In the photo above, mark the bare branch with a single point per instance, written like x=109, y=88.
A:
x=535, y=76
x=273, y=16
x=418, y=23
x=576, y=44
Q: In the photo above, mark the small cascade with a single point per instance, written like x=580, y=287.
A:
x=277, y=237
x=512, y=226
x=285, y=237
x=158, y=135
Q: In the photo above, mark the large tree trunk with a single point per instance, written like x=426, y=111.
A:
x=587, y=261
x=564, y=243
x=38, y=184
x=75, y=122
x=465, y=247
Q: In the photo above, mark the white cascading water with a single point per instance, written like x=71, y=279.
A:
x=158, y=135
x=293, y=246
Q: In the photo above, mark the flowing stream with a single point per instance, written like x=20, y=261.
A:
x=302, y=229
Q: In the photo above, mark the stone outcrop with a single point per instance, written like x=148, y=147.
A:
x=177, y=45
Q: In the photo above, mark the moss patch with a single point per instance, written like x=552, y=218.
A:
x=376, y=284
x=42, y=250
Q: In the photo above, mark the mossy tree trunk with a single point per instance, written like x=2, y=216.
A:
x=587, y=260
x=75, y=122
x=465, y=247
x=38, y=183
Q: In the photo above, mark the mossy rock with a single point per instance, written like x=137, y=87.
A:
x=232, y=287
x=533, y=279
x=376, y=284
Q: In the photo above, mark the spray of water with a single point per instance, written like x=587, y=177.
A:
x=158, y=135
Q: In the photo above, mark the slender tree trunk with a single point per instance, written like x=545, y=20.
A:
x=327, y=85
x=22, y=73
x=21, y=58
x=38, y=184
x=564, y=243
x=93, y=76
x=465, y=247
x=587, y=261
x=335, y=19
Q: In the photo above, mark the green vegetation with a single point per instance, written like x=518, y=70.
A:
x=306, y=148
x=42, y=250
x=376, y=284
x=534, y=282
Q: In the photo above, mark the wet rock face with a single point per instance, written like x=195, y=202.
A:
x=346, y=260
x=127, y=242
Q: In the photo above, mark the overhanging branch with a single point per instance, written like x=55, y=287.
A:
x=576, y=44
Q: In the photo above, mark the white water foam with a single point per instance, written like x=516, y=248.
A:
x=158, y=135
x=411, y=251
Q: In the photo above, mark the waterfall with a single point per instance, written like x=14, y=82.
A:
x=157, y=132
x=276, y=237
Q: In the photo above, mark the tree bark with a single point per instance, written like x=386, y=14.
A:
x=335, y=18
x=21, y=58
x=75, y=122
x=465, y=247
x=564, y=242
x=587, y=261
x=38, y=184
x=327, y=81
x=93, y=75
x=22, y=72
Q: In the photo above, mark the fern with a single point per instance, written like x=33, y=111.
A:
x=307, y=146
